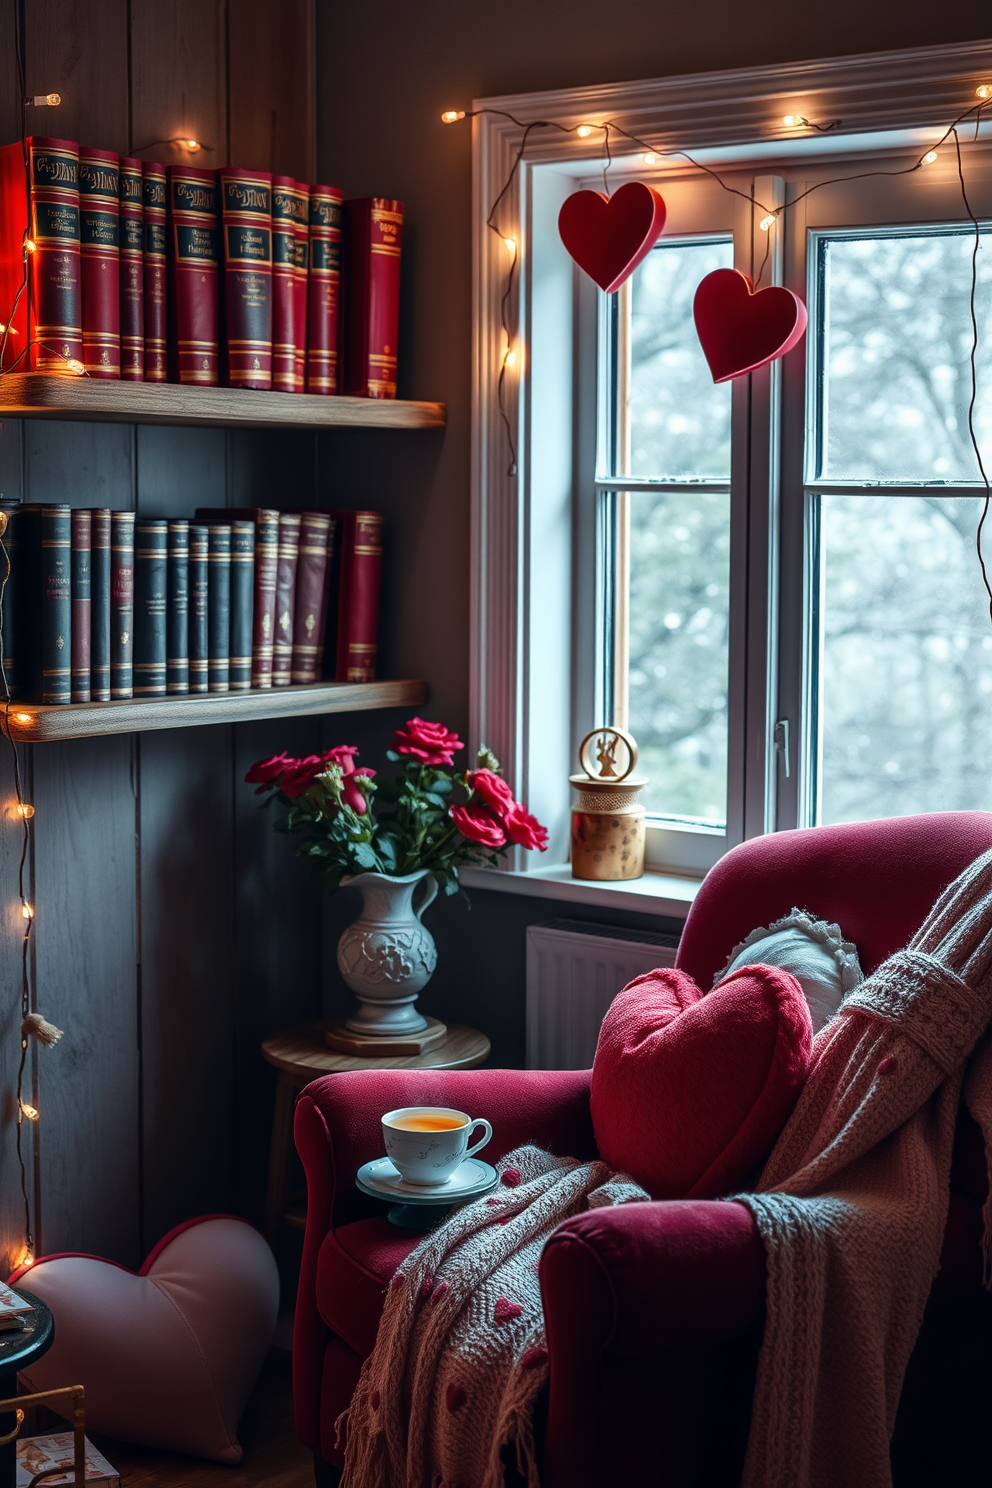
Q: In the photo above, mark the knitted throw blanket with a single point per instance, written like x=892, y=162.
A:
x=460, y=1355
x=853, y=1201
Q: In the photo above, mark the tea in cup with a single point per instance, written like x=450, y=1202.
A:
x=426, y=1144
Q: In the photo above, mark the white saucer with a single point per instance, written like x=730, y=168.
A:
x=380, y=1180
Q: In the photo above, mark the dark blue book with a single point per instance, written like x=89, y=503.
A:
x=177, y=610
x=82, y=602
x=199, y=643
x=44, y=615
x=100, y=605
x=151, y=549
x=242, y=603
x=219, y=606
x=9, y=576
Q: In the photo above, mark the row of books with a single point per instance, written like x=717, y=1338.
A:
x=155, y=273
x=103, y=605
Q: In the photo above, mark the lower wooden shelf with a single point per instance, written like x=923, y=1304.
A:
x=34, y=723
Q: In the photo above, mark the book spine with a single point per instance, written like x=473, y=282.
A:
x=100, y=260
x=121, y=604
x=194, y=276
x=56, y=615
x=246, y=207
x=289, y=552
x=312, y=566
x=330, y=581
x=153, y=180
x=324, y=290
x=199, y=637
x=151, y=549
x=361, y=579
x=82, y=603
x=263, y=623
x=132, y=272
x=177, y=609
x=219, y=607
x=56, y=313
x=10, y=575
x=100, y=569
x=301, y=277
x=373, y=230
x=242, y=603
x=288, y=208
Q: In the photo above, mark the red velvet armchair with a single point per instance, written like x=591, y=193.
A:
x=655, y=1311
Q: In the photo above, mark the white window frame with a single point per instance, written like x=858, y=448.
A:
x=530, y=701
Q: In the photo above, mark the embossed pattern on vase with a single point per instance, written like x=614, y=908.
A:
x=399, y=956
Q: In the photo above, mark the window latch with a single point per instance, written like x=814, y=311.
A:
x=782, y=744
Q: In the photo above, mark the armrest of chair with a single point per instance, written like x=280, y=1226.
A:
x=654, y=1312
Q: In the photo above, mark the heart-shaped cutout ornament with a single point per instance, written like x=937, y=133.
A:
x=609, y=235
x=741, y=329
x=168, y=1356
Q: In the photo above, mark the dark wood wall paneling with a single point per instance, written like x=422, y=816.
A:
x=174, y=929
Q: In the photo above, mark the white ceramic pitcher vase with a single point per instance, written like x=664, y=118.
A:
x=387, y=956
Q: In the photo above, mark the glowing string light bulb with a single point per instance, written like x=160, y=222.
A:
x=27, y=910
x=21, y=810
x=30, y=246
x=192, y=145
x=510, y=244
x=46, y=100
x=792, y=121
x=510, y=357
x=584, y=131
x=767, y=222
x=31, y=1112
x=984, y=90
x=75, y=366
x=451, y=116
x=930, y=157
x=650, y=158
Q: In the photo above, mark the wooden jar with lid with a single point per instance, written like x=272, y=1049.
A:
x=607, y=815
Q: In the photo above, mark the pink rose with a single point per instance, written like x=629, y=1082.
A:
x=431, y=743
x=342, y=755
x=296, y=780
x=267, y=771
x=478, y=824
x=491, y=790
x=350, y=793
x=525, y=830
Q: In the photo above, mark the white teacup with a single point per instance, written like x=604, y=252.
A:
x=427, y=1143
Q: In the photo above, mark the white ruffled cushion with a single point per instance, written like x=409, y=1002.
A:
x=824, y=964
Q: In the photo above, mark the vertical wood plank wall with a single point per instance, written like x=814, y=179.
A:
x=173, y=928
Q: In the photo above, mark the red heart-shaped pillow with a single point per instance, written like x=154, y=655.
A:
x=609, y=235
x=740, y=330
x=690, y=1091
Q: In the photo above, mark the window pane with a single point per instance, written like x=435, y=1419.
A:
x=679, y=421
x=906, y=658
x=678, y=608
x=897, y=340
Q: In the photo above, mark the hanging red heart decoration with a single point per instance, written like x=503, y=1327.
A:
x=609, y=235
x=740, y=330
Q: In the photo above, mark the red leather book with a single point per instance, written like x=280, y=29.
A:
x=48, y=317
x=100, y=260
x=266, y=569
x=132, y=272
x=301, y=279
x=194, y=275
x=324, y=290
x=373, y=239
x=288, y=557
x=359, y=584
x=246, y=210
x=289, y=208
x=156, y=369
x=308, y=640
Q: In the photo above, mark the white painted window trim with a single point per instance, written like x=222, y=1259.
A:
x=524, y=700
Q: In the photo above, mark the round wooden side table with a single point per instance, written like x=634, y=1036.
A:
x=300, y=1055
x=18, y=1348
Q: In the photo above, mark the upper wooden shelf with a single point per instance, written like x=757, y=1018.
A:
x=41, y=395
x=32, y=723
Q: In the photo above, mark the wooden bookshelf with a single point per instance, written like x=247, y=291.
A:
x=40, y=395
x=32, y=723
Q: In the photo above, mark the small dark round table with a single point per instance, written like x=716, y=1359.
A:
x=18, y=1348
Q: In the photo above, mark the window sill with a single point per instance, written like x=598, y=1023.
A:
x=654, y=894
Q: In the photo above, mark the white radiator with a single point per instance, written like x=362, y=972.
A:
x=574, y=971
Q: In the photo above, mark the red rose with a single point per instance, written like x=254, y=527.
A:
x=267, y=771
x=351, y=795
x=342, y=755
x=295, y=781
x=525, y=830
x=479, y=824
x=431, y=743
x=492, y=791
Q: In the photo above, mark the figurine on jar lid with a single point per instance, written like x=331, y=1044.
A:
x=607, y=817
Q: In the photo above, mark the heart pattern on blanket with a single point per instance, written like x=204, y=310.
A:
x=608, y=236
x=505, y=1309
x=168, y=1355
x=740, y=328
